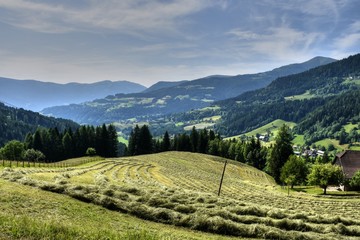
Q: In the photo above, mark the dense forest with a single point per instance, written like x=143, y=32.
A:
x=15, y=123
x=52, y=145
x=201, y=141
x=327, y=120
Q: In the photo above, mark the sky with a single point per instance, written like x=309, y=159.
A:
x=146, y=41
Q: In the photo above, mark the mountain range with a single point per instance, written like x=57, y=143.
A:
x=167, y=98
x=321, y=102
x=36, y=95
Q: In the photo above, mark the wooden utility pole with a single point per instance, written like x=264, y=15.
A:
x=222, y=177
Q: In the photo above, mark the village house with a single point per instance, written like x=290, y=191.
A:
x=349, y=161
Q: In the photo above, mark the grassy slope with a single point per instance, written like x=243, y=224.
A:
x=299, y=139
x=272, y=127
x=28, y=212
x=175, y=188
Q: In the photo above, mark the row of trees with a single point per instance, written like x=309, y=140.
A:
x=52, y=145
x=201, y=141
x=278, y=160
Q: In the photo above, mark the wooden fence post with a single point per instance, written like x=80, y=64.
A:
x=222, y=177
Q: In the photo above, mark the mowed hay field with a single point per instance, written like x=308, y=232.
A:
x=170, y=195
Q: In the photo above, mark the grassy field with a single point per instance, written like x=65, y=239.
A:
x=326, y=142
x=171, y=195
x=271, y=128
x=306, y=95
x=298, y=140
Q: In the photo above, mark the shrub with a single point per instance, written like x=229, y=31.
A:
x=90, y=152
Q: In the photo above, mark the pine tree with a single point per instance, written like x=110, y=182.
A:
x=166, y=142
x=194, y=139
x=280, y=152
x=68, y=146
x=37, y=141
x=203, y=142
x=113, y=143
x=145, y=143
x=133, y=141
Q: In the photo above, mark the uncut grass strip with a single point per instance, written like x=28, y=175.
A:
x=147, y=173
x=121, y=173
x=134, y=172
x=188, y=184
x=118, y=172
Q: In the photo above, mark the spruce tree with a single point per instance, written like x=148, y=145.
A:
x=194, y=139
x=280, y=152
x=145, y=143
x=112, y=141
x=166, y=142
x=133, y=141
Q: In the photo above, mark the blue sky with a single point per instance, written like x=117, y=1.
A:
x=167, y=40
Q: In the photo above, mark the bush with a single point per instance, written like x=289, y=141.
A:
x=90, y=152
x=355, y=181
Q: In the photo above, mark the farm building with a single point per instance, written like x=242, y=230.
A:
x=349, y=162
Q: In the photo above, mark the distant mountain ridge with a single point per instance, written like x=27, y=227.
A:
x=163, y=84
x=166, y=98
x=36, y=95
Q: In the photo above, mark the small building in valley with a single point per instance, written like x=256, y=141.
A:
x=349, y=161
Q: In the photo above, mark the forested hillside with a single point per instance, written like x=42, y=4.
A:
x=296, y=97
x=16, y=123
x=327, y=120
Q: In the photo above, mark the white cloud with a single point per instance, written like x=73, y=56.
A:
x=125, y=15
x=349, y=39
x=244, y=35
x=277, y=42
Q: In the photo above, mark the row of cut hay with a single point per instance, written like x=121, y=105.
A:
x=242, y=191
x=192, y=204
x=157, y=207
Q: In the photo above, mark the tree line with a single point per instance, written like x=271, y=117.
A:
x=278, y=160
x=200, y=141
x=52, y=145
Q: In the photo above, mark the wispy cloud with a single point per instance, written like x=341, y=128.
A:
x=348, y=40
x=277, y=42
x=44, y=16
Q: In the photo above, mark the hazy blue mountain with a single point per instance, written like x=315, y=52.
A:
x=179, y=98
x=36, y=95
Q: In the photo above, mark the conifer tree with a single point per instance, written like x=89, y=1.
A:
x=194, y=139
x=145, y=143
x=280, y=152
x=166, y=142
x=113, y=143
